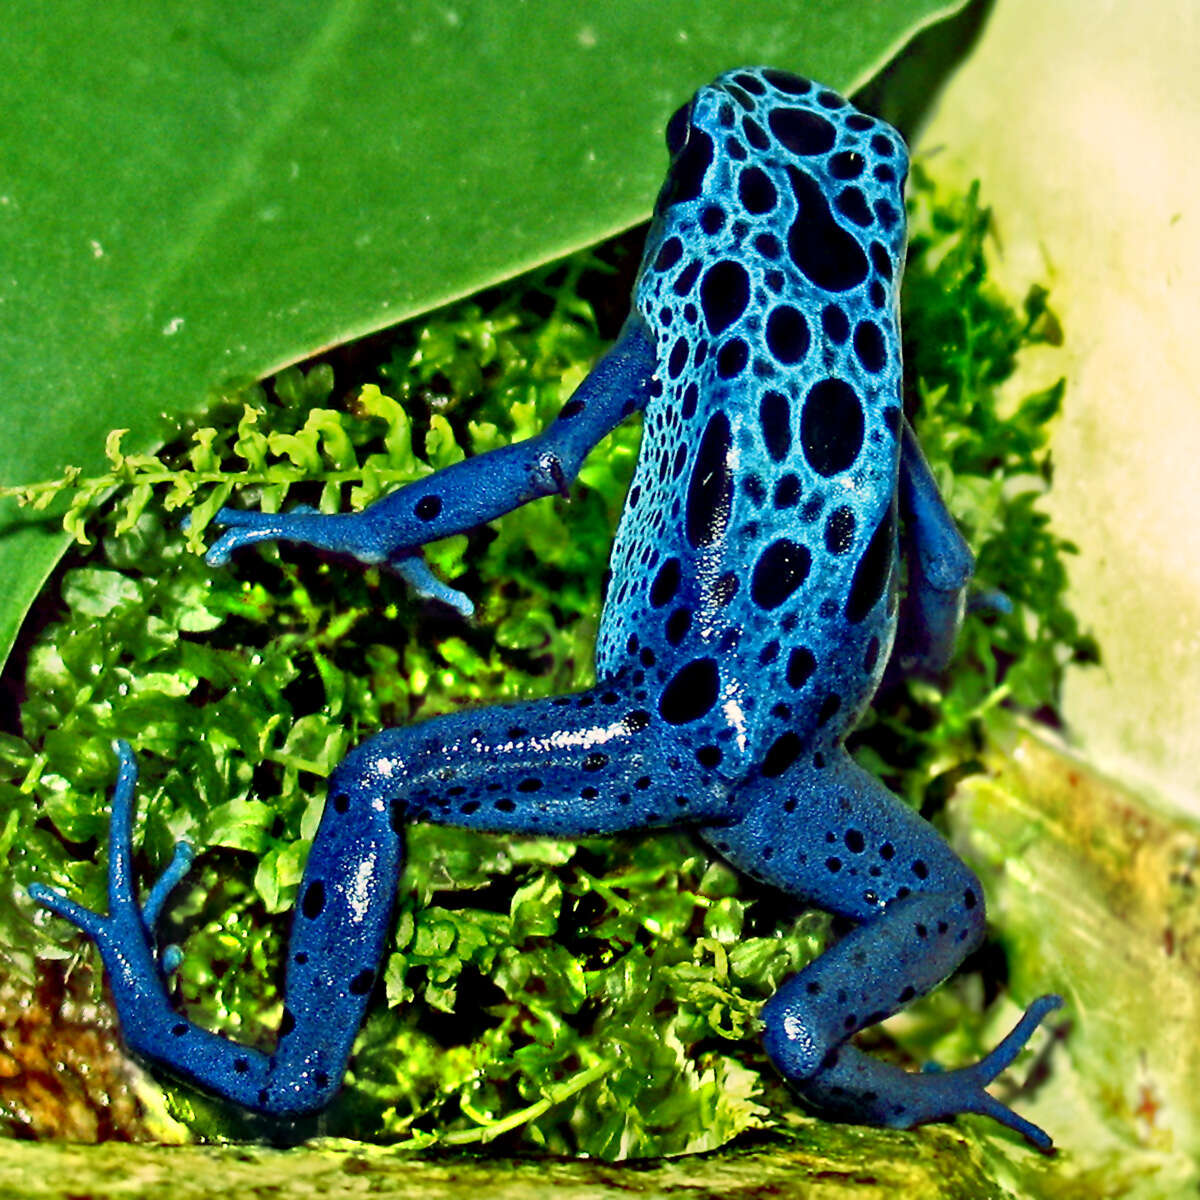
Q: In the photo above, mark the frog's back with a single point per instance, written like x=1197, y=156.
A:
x=756, y=555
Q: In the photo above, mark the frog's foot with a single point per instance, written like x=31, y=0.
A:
x=128, y=928
x=125, y=938
x=854, y=1086
x=97, y=927
x=357, y=535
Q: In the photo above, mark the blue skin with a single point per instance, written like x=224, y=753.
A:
x=752, y=612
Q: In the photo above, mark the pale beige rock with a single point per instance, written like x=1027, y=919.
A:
x=1082, y=120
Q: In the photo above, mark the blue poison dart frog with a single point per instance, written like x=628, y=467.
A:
x=752, y=610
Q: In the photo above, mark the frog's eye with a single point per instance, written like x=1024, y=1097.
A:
x=678, y=128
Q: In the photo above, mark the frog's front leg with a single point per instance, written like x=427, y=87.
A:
x=470, y=492
x=836, y=837
x=939, y=569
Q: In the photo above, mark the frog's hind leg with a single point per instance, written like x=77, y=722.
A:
x=593, y=763
x=836, y=837
x=597, y=762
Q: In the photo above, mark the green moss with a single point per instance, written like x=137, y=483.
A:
x=594, y=997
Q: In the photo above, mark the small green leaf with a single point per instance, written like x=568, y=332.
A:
x=95, y=592
x=535, y=907
x=239, y=825
x=278, y=876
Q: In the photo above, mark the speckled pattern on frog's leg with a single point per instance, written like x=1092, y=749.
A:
x=830, y=833
x=605, y=760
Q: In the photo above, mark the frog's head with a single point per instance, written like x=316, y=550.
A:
x=766, y=165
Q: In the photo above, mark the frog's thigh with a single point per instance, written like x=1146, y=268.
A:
x=601, y=761
x=837, y=837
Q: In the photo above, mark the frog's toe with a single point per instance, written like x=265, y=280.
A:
x=965, y=1087
x=176, y=869
x=988, y=1067
x=413, y=569
x=92, y=923
x=1035, y=1135
x=249, y=518
x=244, y=528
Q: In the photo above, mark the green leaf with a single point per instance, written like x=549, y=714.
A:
x=196, y=194
x=96, y=592
x=535, y=907
x=278, y=875
x=239, y=824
